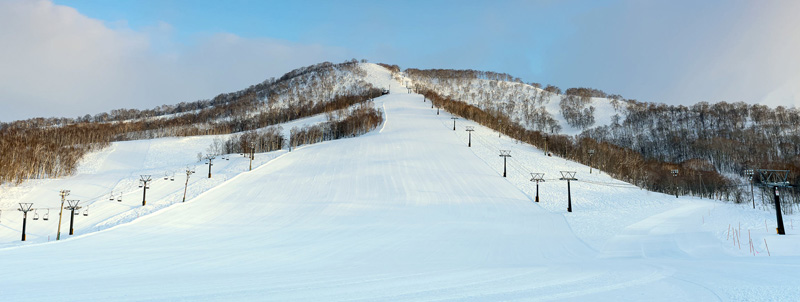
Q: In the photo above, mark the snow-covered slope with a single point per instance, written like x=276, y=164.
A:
x=407, y=212
x=526, y=105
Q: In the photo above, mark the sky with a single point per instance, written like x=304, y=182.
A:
x=68, y=58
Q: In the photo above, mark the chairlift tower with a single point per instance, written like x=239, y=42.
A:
x=210, y=162
x=73, y=205
x=24, y=207
x=505, y=154
x=454, y=122
x=64, y=194
x=469, y=130
x=775, y=179
x=568, y=176
x=144, y=181
x=189, y=172
x=545, y=144
x=749, y=173
x=537, y=177
x=674, y=177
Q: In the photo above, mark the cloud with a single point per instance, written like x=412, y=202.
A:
x=683, y=51
x=58, y=62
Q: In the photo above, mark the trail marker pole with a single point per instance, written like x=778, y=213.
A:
x=143, y=183
x=537, y=177
x=568, y=176
x=775, y=179
x=674, y=177
x=505, y=154
x=252, y=155
x=64, y=194
x=454, y=122
x=24, y=207
x=469, y=130
x=73, y=205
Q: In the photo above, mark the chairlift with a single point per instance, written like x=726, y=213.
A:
x=86, y=212
x=172, y=178
x=35, y=215
x=111, y=196
x=46, y=215
x=77, y=213
x=119, y=199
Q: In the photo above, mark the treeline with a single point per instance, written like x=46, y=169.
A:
x=619, y=162
x=263, y=140
x=38, y=148
x=46, y=152
x=354, y=122
x=729, y=137
x=463, y=74
x=577, y=111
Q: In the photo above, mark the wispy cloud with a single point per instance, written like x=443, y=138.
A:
x=684, y=51
x=58, y=62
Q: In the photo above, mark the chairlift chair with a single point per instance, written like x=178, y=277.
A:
x=86, y=212
x=35, y=215
x=46, y=215
x=111, y=196
x=119, y=199
x=77, y=213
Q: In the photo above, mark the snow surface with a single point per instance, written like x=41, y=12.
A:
x=407, y=212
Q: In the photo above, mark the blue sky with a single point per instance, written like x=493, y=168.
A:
x=94, y=56
x=412, y=33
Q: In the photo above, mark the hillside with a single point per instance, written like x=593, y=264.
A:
x=710, y=144
x=406, y=212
